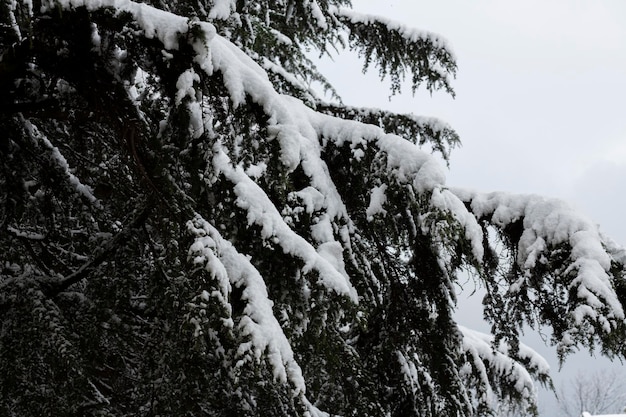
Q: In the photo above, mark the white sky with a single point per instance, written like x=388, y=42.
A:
x=540, y=107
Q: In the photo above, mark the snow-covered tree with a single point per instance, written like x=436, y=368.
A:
x=187, y=229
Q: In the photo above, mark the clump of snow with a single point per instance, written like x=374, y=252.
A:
x=616, y=251
x=95, y=37
x=242, y=76
x=221, y=9
x=202, y=252
x=319, y=17
x=333, y=253
x=407, y=32
x=12, y=21
x=185, y=85
x=312, y=199
x=424, y=170
x=155, y=23
x=281, y=37
x=203, y=56
x=257, y=170
x=377, y=200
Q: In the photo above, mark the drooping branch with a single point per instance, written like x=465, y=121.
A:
x=420, y=130
x=426, y=56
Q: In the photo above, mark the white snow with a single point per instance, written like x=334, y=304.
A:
x=221, y=9
x=480, y=348
x=319, y=17
x=548, y=223
x=409, y=370
x=333, y=253
x=256, y=170
x=60, y=160
x=223, y=260
x=95, y=37
x=12, y=5
x=281, y=37
x=377, y=200
x=241, y=74
x=155, y=23
x=185, y=85
x=407, y=32
x=447, y=201
x=312, y=199
x=262, y=212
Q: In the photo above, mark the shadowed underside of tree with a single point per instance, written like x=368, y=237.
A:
x=187, y=229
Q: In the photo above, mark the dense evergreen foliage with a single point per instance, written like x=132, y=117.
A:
x=186, y=229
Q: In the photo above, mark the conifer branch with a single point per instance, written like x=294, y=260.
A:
x=52, y=287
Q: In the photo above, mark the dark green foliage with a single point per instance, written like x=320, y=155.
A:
x=396, y=52
x=163, y=254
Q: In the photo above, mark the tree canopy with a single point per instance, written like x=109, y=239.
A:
x=188, y=229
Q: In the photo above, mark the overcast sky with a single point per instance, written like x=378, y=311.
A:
x=540, y=106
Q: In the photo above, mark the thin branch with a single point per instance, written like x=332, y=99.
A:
x=51, y=289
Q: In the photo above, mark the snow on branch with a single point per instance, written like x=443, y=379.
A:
x=397, y=48
x=262, y=212
x=409, y=33
x=245, y=79
x=546, y=224
x=61, y=163
x=258, y=321
x=617, y=251
x=421, y=130
x=155, y=23
x=300, y=129
x=495, y=363
x=414, y=372
x=12, y=9
x=221, y=9
x=297, y=127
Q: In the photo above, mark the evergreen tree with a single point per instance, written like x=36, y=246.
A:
x=187, y=229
